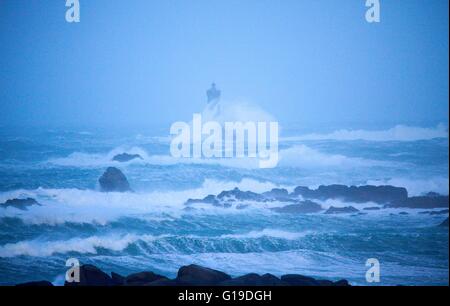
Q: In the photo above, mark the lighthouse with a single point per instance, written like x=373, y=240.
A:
x=213, y=94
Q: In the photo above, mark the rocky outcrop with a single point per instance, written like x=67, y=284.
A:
x=125, y=157
x=305, y=207
x=191, y=275
x=21, y=204
x=113, y=180
x=425, y=202
x=361, y=194
x=194, y=275
x=341, y=210
x=92, y=276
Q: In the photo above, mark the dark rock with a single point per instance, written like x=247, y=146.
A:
x=163, y=282
x=278, y=194
x=241, y=195
x=434, y=213
x=36, y=284
x=253, y=279
x=299, y=280
x=210, y=199
x=143, y=278
x=92, y=276
x=342, y=283
x=21, y=204
x=305, y=207
x=372, y=208
x=361, y=194
x=194, y=275
x=341, y=210
x=125, y=157
x=445, y=223
x=423, y=202
x=117, y=279
x=114, y=180
x=403, y=213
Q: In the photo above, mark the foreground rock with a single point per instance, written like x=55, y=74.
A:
x=113, y=180
x=36, y=284
x=192, y=275
x=92, y=276
x=21, y=204
x=125, y=157
x=341, y=210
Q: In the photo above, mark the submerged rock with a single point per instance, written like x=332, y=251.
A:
x=305, y=207
x=22, y=204
x=194, y=275
x=125, y=157
x=114, y=180
x=341, y=210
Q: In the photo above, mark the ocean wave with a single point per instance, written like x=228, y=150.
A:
x=397, y=133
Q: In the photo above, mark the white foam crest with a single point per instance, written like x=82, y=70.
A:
x=267, y=232
x=397, y=133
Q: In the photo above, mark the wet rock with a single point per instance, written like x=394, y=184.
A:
x=21, y=204
x=92, y=276
x=434, y=201
x=254, y=279
x=341, y=210
x=113, y=180
x=125, y=157
x=194, y=275
x=241, y=195
x=299, y=280
x=210, y=199
x=143, y=278
x=361, y=194
x=305, y=207
x=36, y=284
x=117, y=279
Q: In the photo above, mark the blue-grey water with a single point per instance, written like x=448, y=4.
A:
x=150, y=229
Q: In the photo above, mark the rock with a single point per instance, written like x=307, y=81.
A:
x=341, y=283
x=92, y=276
x=194, y=275
x=210, y=199
x=433, y=213
x=361, y=194
x=117, y=279
x=372, y=208
x=21, y=204
x=305, y=207
x=239, y=195
x=278, y=194
x=341, y=210
x=143, y=278
x=299, y=280
x=435, y=201
x=445, y=223
x=114, y=180
x=125, y=157
x=36, y=284
x=253, y=279
x=403, y=213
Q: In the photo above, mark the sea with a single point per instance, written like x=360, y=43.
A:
x=150, y=229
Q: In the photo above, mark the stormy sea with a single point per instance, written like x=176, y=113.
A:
x=152, y=227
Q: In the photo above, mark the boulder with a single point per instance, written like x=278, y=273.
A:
x=92, y=276
x=341, y=210
x=21, y=204
x=113, y=180
x=253, y=279
x=194, y=275
x=125, y=157
x=305, y=207
x=143, y=278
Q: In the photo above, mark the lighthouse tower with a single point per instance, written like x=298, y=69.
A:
x=213, y=94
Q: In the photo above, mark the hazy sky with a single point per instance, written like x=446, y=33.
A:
x=304, y=61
